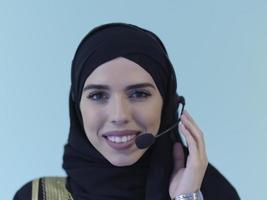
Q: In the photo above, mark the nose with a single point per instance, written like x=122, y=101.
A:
x=119, y=111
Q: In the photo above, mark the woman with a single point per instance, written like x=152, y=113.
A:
x=123, y=86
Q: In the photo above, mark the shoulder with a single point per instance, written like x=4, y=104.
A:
x=216, y=186
x=36, y=187
x=25, y=192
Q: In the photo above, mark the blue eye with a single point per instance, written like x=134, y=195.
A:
x=140, y=95
x=98, y=96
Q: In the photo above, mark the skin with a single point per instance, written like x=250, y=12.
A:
x=188, y=177
x=118, y=108
x=138, y=109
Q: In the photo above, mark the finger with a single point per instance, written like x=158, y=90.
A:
x=196, y=156
x=190, y=117
x=191, y=143
x=197, y=134
x=194, y=130
x=178, y=156
x=191, y=120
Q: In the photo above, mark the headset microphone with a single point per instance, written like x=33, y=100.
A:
x=144, y=140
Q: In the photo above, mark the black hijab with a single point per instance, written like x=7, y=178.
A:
x=90, y=175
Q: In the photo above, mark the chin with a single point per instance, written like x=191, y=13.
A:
x=121, y=162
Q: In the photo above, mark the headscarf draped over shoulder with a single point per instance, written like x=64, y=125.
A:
x=90, y=175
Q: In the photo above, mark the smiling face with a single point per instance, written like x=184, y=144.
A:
x=120, y=100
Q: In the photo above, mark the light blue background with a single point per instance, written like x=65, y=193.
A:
x=218, y=49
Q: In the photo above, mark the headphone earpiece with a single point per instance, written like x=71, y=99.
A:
x=180, y=100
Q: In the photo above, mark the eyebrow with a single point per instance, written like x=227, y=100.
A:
x=106, y=87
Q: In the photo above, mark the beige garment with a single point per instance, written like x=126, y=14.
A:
x=53, y=188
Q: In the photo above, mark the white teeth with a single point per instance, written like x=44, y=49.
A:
x=124, y=139
x=120, y=139
x=117, y=139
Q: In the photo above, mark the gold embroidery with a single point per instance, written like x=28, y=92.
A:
x=35, y=188
x=55, y=188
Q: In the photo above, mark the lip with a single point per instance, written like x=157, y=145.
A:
x=124, y=145
x=121, y=133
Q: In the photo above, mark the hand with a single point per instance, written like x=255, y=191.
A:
x=187, y=177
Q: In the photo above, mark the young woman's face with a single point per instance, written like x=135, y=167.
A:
x=120, y=100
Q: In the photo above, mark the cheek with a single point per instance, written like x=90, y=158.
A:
x=149, y=117
x=93, y=119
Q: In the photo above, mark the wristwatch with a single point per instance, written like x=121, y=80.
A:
x=190, y=196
